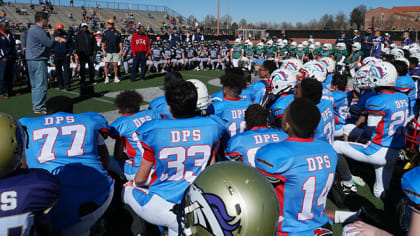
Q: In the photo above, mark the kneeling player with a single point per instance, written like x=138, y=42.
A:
x=179, y=149
x=244, y=146
x=301, y=170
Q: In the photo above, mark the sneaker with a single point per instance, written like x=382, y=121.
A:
x=116, y=80
x=106, y=80
x=358, y=180
x=348, y=187
x=41, y=111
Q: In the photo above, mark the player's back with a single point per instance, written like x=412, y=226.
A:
x=341, y=108
x=306, y=168
x=246, y=144
x=279, y=106
x=125, y=127
x=159, y=104
x=394, y=107
x=218, y=96
x=232, y=112
x=327, y=83
x=259, y=89
x=181, y=149
x=25, y=196
x=64, y=138
x=325, y=129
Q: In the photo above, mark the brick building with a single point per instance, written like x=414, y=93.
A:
x=397, y=18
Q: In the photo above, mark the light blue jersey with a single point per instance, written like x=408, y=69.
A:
x=325, y=129
x=160, y=105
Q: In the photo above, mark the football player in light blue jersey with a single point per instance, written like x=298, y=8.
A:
x=72, y=147
x=262, y=89
x=341, y=103
x=179, y=149
x=232, y=108
x=246, y=93
x=302, y=171
x=387, y=117
x=244, y=146
x=312, y=90
x=406, y=85
x=123, y=130
x=159, y=104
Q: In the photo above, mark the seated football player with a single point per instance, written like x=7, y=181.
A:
x=406, y=85
x=203, y=98
x=179, y=149
x=128, y=150
x=246, y=93
x=71, y=147
x=159, y=104
x=301, y=170
x=232, y=108
x=27, y=195
x=311, y=89
x=262, y=89
x=341, y=103
x=244, y=146
x=387, y=116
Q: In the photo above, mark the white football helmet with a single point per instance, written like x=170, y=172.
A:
x=249, y=45
x=371, y=60
x=269, y=43
x=293, y=45
x=203, y=98
x=325, y=47
x=314, y=69
x=329, y=63
x=311, y=47
x=305, y=44
x=279, y=42
x=285, y=42
x=260, y=45
x=406, y=47
x=293, y=65
x=237, y=42
x=317, y=45
x=361, y=79
x=415, y=52
x=341, y=46
x=383, y=74
x=283, y=81
x=311, y=41
x=300, y=47
x=18, y=42
x=386, y=51
x=356, y=46
x=397, y=53
x=247, y=41
x=393, y=45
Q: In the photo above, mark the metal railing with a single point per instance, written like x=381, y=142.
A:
x=108, y=5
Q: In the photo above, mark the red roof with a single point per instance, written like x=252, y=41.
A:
x=407, y=9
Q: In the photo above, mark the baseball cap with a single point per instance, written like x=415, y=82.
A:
x=4, y=20
x=110, y=21
x=387, y=35
x=59, y=26
x=84, y=25
x=98, y=32
x=355, y=31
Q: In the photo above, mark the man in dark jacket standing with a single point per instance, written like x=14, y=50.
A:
x=61, y=51
x=86, y=47
x=8, y=59
x=140, y=47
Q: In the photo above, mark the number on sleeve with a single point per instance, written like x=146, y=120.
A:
x=138, y=143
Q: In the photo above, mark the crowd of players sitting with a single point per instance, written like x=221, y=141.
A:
x=299, y=126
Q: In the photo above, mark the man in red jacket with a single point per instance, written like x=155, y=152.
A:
x=140, y=47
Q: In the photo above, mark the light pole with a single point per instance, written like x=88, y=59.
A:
x=218, y=17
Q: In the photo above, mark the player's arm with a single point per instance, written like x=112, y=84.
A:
x=143, y=173
x=103, y=44
x=102, y=151
x=119, y=153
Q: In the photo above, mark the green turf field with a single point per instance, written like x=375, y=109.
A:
x=21, y=106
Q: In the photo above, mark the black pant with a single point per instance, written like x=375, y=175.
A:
x=60, y=63
x=83, y=59
x=140, y=59
x=9, y=75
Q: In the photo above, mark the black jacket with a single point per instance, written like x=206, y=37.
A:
x=85, y=44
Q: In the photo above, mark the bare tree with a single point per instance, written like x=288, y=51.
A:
x=191, y=20
x=242, y=23
x=225, y=21
x=357, y=16
x=340, y=21
x=210, y=21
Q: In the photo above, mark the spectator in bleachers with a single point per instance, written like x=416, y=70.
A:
x=37, y=46
x=2, y=14
x=71, y=16
x=61, y=51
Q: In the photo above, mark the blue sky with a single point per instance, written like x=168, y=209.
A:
x=273, y=10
